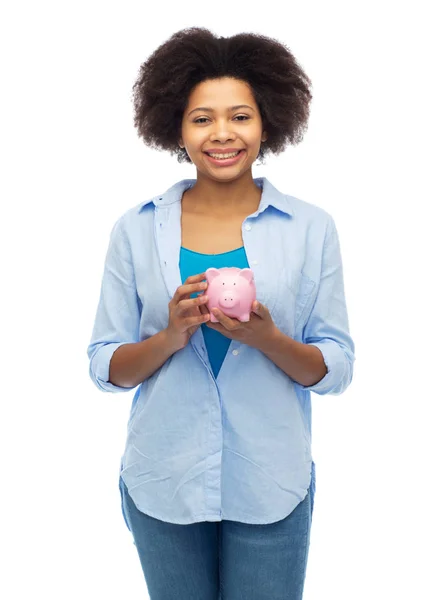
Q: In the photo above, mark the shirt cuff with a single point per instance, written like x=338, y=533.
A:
x=99, y=368
x=336, y=364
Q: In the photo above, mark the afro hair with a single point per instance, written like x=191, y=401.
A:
x=278, y=83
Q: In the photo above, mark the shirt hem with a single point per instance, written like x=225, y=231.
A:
x=213, y=517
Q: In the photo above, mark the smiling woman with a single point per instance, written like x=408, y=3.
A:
x=217, y=479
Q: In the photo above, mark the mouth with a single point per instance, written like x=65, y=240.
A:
x=225, y=161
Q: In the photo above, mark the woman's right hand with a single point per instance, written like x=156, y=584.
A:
x=187, y=314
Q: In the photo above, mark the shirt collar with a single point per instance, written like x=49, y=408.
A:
x=271, y=196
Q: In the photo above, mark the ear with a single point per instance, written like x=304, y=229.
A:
x=247, y=274
x=211, y=274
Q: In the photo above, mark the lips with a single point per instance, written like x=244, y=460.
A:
x=226, y=152
x=225, y=162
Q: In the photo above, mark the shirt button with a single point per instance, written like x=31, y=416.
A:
x=235, y=352
x=255, y=262
x=248, y=227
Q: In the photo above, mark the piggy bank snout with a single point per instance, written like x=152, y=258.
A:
x=229, y=298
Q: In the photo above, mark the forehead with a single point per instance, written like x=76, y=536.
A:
x=221, y=93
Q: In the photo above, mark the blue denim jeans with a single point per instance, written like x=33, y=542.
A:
x=223, y=560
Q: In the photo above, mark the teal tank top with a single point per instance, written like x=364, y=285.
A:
x=192, y=263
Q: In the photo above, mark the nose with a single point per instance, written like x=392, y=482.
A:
x=222, y=133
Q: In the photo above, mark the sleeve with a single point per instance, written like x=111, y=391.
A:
x=118, y=313
x=327, y=326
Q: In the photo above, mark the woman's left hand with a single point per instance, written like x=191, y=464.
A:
x=258, y=332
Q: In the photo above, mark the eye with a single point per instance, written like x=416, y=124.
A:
x=206, y=118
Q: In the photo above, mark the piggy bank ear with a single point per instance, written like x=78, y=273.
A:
x=211, y=274
x=247, y=274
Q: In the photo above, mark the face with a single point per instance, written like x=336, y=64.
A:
x=211, y=123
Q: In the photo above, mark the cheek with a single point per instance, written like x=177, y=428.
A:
x=193, y=139
x=253, y=137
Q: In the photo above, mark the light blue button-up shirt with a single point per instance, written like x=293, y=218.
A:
x=236, y=446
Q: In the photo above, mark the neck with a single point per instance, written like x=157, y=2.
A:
x=223, y=197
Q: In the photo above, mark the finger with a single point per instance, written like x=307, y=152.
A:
x=203, y=308
x=196, y=320
x=226, y=321
x=185, y=305
x=220, y=329
x=259, y=309
x=195, y=278
x=187, y=289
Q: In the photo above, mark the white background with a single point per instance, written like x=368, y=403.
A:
x=72, y=164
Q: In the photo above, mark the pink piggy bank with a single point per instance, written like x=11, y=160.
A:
x=232, y=290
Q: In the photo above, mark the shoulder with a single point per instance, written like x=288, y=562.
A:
x=308, y=211
x=133, y=219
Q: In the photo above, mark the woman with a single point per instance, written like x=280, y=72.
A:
x=217, y=479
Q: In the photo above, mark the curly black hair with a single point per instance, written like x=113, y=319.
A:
x=278, y=83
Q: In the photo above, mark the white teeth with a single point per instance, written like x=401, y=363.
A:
x=230, y=155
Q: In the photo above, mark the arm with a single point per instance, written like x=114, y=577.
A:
x=118, y=360
x=301, y=362
x=133, y=363
x=323, y=363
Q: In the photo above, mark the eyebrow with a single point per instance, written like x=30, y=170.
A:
x=208, y=109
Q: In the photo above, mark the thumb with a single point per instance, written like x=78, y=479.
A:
x=257, y=308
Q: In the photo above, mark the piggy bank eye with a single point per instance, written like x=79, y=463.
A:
x=234, y=283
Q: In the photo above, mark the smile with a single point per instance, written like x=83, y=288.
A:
x=229, y=159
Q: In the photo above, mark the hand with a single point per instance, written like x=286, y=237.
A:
x=258, y=332
x=187, y=314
